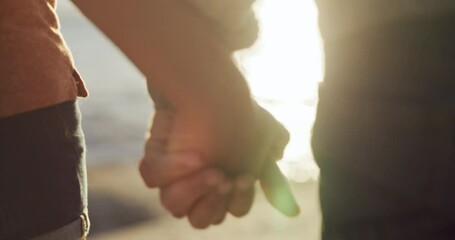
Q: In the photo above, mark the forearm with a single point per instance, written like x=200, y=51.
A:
x=174, y=48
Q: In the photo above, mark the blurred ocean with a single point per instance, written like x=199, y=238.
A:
x=283, y=70
x=116, y=113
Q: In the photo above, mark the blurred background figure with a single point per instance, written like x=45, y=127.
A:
x=384, y=131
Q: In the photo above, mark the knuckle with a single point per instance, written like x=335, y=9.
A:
x=178, y=214
x=147, y=175
x=198, y=224
x=167, y=202
x=169, y=199
x=176, y=191
x=219, y=221
x=237, y=213
x=151, y=181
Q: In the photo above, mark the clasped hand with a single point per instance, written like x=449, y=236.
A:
x=206, y=164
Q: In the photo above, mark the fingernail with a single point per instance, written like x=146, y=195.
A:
x=245, y=183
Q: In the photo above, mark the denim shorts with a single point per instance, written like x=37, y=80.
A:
x=42, y=172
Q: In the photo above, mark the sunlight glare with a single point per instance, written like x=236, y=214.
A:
x=283, y=70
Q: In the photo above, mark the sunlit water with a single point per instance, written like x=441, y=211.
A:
x=283, y=70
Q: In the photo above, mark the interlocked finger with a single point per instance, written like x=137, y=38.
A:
x=180, y=197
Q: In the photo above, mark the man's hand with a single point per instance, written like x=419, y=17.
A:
x=162, y=167
x=204, y=193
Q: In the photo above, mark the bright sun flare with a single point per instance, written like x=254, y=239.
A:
x=283, y=70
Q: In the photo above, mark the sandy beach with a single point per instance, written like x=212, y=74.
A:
x=121, y=207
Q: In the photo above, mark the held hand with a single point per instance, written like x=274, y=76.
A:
x=206, y=201
x=161, y=167
x=206, y=210
x=273, y=183
x=179, y=145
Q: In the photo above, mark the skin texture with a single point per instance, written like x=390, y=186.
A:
x=207, y=134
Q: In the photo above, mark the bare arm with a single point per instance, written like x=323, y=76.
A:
x=173, y=47
x=188, y=66
x=191, y=68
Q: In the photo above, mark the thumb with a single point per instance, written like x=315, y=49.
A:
x=277, y=190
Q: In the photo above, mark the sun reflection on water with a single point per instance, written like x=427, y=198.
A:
x=283, y=70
